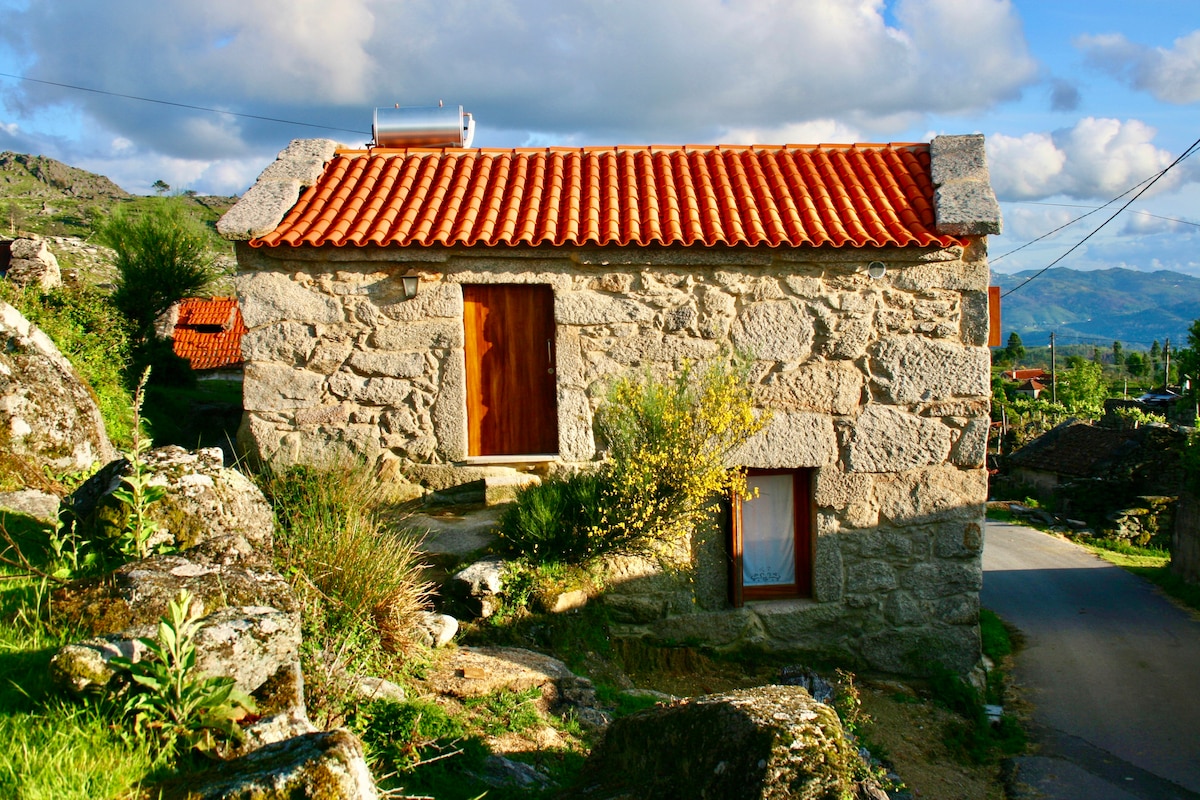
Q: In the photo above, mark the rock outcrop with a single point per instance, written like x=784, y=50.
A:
x=771, y=742
x=32, y=264
x=48, y=415
x=204, y=499
x=320, y=766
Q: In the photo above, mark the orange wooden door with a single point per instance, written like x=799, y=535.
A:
x=511, y=406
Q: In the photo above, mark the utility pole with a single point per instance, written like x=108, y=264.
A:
x=1167, y=371
x=1053, y=372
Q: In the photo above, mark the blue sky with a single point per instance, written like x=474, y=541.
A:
x=1079, y=101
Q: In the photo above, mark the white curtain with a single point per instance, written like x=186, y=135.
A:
x=769, y=532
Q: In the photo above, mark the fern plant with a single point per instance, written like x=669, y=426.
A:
x=168, y=699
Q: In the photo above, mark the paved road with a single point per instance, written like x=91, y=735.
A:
x=1112, y=670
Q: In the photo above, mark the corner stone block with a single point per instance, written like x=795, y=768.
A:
x=911, y=369
x=932, y=494
x=269, y=297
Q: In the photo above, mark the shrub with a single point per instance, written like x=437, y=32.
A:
x=91, y=333
x=553, y=521
x=161, y=257
x=669, y=444
x=332, y=541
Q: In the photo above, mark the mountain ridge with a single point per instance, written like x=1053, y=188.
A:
x=1099, y=306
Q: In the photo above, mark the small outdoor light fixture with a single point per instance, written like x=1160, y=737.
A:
x=409, y=282
x=876, y=269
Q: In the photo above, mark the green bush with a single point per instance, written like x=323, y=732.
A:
x=669, y=445
x=554, y=521
x=161, y=257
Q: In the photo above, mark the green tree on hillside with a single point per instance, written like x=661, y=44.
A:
x=1118, y=355
x=1081, y=388
x=161, y=257
x=1137, y=364
x=1015, y=350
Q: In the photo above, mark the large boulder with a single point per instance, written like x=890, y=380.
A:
x=316, y=766
x=32, y=264
x=204, y=499
x=768, y=743
x=48, y=415
x=249, y=631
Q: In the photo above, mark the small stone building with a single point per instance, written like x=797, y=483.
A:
x=453, y=314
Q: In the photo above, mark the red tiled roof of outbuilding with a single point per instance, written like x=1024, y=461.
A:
x=209, y=332
x=789, y=195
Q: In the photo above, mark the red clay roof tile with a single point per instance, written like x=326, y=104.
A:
x=209, y=332
x=859, y=195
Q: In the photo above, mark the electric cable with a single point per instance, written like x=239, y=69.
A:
x=1186, y=153
x=181, y=105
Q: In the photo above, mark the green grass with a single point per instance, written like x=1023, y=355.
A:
x=53, y=746
x=1149, y=563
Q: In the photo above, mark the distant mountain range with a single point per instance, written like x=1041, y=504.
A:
x=1099, y=306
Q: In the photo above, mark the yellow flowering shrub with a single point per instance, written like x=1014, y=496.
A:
x=669, y=442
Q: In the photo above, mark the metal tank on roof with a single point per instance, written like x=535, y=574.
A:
x=423, y=126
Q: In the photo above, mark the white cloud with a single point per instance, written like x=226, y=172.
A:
x=590, y=70
x=1095, y=159
x=1171, y=75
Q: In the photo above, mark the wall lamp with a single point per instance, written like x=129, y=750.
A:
x=409, y=283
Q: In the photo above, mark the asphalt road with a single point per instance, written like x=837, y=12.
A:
x=1111, y=668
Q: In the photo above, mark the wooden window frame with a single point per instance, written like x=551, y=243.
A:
x=805, y=544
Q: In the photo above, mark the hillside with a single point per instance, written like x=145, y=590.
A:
x=44, y=196
x=1100, y=306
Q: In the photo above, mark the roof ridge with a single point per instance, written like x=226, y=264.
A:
x=631, y=148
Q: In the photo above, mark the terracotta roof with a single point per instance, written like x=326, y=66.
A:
x=854, y=195
x=209, y=332
x=1023, y=374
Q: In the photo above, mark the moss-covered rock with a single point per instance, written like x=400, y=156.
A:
x=770, y=742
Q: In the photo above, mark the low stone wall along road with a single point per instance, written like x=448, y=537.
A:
x=1111, y=668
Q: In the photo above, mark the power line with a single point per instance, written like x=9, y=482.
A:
x=1079, y=244
x=1094, y=208
x=181, y=105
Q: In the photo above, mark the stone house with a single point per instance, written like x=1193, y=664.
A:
x=455, y=314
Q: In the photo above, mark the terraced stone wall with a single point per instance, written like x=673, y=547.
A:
x=880, y=385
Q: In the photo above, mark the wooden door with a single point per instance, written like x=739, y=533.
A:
x=509, y=343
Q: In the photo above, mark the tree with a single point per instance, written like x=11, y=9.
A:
x=161, y=258
x=1118, y=355
x=1137, y=364
x=1081, y=387
x=161, y=187
x=1015, y=350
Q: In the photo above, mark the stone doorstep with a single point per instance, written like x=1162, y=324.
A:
x=490, y=490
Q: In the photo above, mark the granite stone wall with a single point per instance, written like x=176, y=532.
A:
x=880, y=385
